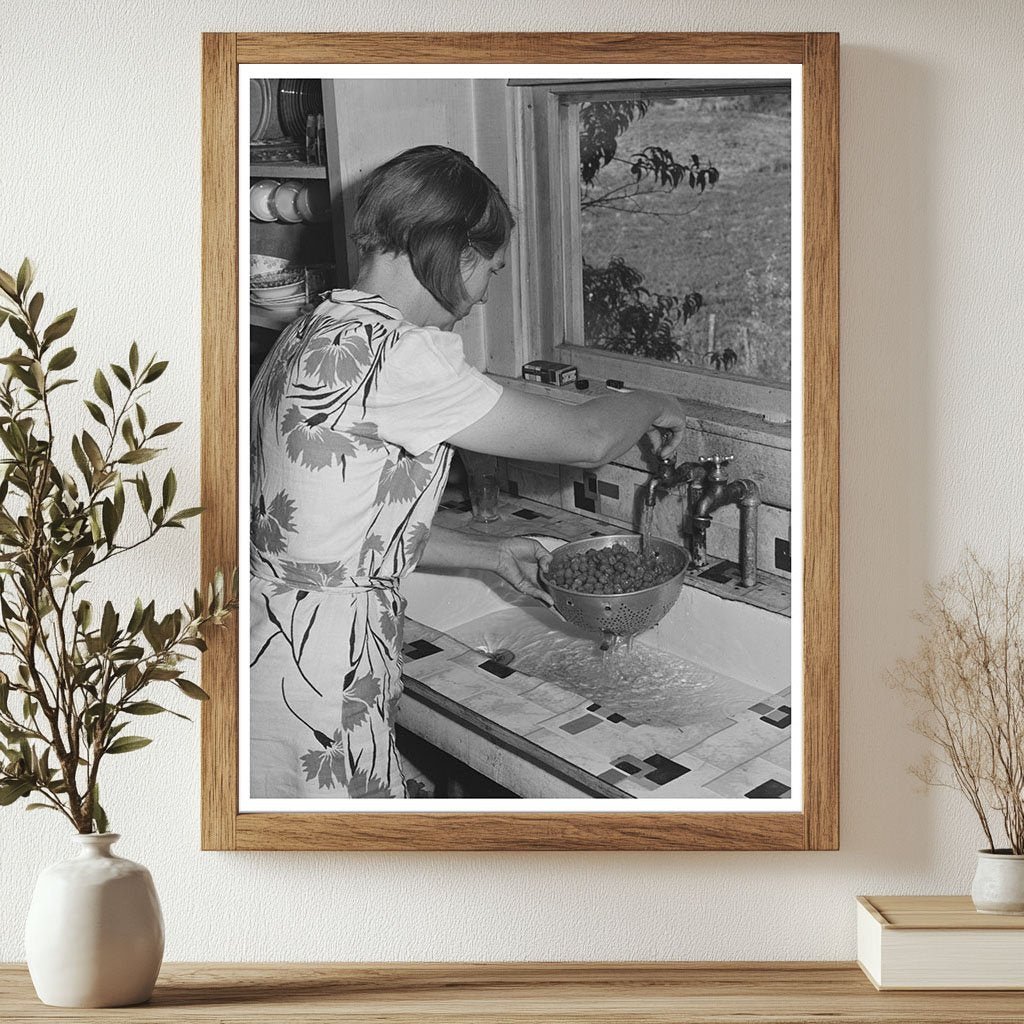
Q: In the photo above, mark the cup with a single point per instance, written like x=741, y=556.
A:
x=483, y=496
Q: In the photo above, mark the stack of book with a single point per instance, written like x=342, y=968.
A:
x=938, y=942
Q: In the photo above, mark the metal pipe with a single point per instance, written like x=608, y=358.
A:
x=749, y=504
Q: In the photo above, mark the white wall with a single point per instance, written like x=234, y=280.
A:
x=100, y=167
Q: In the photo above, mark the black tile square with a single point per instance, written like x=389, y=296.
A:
x=420, y=649
x=528, y=513
x=658, y=761
x=591, y=483
x=779, y=720
x=627, y=767
x=770, y=790
x=607, y=490
x=665, y=769
x=593, y=707
x=496, y=668
x=581, y=501
x=667, y=774
x=616, y=717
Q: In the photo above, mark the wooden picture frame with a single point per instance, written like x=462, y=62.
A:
x=816, y=826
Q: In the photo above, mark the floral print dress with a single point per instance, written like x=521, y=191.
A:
x=349, y=414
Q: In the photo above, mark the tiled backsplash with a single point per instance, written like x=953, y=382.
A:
x=614, y=493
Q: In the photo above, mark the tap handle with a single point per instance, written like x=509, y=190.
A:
x=714, y=464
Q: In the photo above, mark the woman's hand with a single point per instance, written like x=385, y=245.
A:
x=519, y=560
x=667, y=428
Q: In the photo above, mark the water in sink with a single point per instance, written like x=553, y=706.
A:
x=643, y=684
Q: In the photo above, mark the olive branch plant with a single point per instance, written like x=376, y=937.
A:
x=966, y=681
x=74, y=675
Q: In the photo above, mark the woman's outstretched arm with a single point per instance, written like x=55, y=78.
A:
x=516, y=559
x=527, y=426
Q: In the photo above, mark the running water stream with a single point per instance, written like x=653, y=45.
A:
x=645, y=685
x=646, y=525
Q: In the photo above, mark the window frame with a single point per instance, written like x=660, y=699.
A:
x=544, y=128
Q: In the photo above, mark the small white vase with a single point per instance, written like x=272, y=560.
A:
x=999, y=883
x=95, y=933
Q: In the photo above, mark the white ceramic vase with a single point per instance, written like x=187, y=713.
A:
x=999, y=883
x=95, y=933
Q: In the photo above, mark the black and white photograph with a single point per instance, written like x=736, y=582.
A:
x=523, y=500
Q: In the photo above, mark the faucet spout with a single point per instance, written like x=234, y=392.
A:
x=668, y=475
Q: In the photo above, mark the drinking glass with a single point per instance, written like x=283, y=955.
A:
x=483, y=496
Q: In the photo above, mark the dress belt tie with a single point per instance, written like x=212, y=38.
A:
x=352, y=585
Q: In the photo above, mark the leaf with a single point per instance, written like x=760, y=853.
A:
x=110, y=521
x=185, y=513
x=133, y=358
x=143, y=707
x=191, y=690
x=102, y=388
x=92, y=449
x=63, y=359
x=20, y=328
x=95, y=412
x=8, y=284
x=35, y=308
x=84, y=614
x=155, y=371
x=60, y=326
x=128, y=433
x=41, y=807
x=170, y=488
x=14, y=790
x=125, y=744
x=108, y=627
x=139, y=455
x=165, y=428
x=99, y=816
x=121, y=374
x=26, y=274
x=145, y=498
x=80, y=458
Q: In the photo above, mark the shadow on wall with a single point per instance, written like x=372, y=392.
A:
x=888, y=383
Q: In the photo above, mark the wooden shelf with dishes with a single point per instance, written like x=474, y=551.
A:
x=286, y=169
x=296, y=233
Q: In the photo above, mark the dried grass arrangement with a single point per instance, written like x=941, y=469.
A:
x=967, y=683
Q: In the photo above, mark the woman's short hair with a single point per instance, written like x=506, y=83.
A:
x=432, y=204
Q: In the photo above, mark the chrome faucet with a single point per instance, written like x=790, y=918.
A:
x=717, y=493
x=707, y=490
x=667, y=475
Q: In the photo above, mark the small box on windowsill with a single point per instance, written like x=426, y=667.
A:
x=938, y=942
x=544, y=371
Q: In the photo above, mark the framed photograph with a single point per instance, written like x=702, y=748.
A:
x=461, y=296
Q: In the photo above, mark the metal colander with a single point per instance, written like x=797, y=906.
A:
x=620, y=614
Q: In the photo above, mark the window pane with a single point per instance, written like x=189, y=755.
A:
x=685, y=221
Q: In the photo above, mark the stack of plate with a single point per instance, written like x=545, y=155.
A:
x=297, y=98
x=284, y=291
x=290, y=201
x=259, y=108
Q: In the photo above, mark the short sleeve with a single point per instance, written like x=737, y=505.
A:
x=426, y=391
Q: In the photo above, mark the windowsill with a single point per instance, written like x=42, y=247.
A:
x=737, y=423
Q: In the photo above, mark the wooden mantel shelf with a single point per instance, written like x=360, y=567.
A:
x=612, y=993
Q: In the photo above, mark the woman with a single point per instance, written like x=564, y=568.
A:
x=353, y=416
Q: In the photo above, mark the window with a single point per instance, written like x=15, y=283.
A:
x=658, y=232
